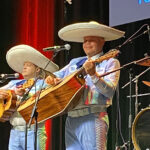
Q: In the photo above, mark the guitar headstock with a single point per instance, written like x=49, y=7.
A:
x=110, y=54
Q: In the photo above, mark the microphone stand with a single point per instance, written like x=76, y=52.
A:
x=130, y=100
x=54, y=55
x=133, y=62
x=34, y=113
x=26, y=134
x=23, y=98
x=130, y=117
x=146, y=94
x=130, y=108
x=136, y=98
x=136, y=89
x=133, y=37
x=136, y=77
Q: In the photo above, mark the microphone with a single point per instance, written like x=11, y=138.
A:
x=58, y=48
x=9, y=76
x=148, y=31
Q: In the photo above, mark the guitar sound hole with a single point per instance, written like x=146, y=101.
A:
x=5, y=101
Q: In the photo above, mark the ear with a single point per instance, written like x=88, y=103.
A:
x=38, y=69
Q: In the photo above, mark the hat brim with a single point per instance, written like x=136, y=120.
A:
x=19, y=54
x=76, y=32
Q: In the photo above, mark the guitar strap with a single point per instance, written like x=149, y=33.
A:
x=20, y=82
x=78, y=64
x=81, y=62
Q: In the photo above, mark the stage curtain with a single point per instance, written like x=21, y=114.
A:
x=35, y=27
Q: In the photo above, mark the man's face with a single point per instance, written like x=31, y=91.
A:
x=93, y=45
x=29, y=70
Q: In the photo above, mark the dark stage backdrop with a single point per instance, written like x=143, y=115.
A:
x=80, y=10
x=28, y=22
x=6, y=41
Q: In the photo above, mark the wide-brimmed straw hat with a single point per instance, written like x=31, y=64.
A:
x=76, y=32
x=19, y=54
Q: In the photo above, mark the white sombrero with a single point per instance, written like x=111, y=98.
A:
x=76, y=32
x=19, y=54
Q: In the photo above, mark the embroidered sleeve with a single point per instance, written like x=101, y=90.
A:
x=108, y=84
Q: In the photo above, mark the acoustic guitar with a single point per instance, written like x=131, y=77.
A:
x=8, y=106
x=59, y=99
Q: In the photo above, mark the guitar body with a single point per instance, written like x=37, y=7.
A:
x=55, y=100
x=7, y=107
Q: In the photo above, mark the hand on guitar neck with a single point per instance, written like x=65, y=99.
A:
x=89, y=67
x=21, y=89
